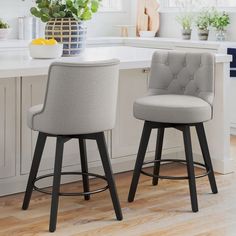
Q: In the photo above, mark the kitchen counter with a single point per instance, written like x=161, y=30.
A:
x=18, y=63
x=216, y=46
x=22, y=85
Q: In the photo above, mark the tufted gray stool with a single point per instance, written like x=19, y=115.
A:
x=80, y=103
x=180, y=95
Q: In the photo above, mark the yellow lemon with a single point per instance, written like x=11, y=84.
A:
x=51, y=42
x=39, y=41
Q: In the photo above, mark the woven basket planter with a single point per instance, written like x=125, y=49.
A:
x=68, y=31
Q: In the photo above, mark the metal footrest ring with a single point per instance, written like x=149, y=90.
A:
x=42, y=190
x=174, y=177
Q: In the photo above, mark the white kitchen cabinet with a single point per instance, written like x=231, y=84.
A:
x=233, y=107
x=127, y=132
x=7, y=127
x=18, y=94
x=33, y=91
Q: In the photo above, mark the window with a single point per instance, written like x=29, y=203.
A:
x=198, y=3
x=111, y=5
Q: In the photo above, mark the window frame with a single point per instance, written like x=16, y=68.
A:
x=113, y=10
x=166, y=8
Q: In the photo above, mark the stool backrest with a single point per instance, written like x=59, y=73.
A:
x=182, y=73
x=81, y=98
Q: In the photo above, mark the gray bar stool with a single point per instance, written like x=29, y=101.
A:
x=181, y=92
x=80, y=103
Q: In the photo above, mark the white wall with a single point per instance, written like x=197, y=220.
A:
x=102, y=24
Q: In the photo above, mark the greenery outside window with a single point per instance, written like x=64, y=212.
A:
x=173, y=5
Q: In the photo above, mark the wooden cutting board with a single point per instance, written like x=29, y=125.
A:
x=148, y=17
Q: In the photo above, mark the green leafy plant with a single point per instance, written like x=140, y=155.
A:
x=204, y=20
x=80, y=10
x=3, y=25
x=220, y=20
x=186, y=20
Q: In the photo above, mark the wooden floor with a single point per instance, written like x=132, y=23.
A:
x=159, y=211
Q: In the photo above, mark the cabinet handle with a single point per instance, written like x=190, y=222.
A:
x=146, y=70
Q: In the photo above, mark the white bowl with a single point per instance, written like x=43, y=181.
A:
x=4, y=33
x=46, y=51
x=147, y=34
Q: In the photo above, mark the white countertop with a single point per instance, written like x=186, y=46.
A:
x=17, y=63
x=171, y=42
x=15, y=43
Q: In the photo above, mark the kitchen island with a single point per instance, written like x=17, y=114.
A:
x=22, y=85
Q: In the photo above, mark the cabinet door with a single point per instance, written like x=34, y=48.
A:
x=7, y=127
x=172, y=139
x=232, y=98
x=127, y=132
x=33, y=91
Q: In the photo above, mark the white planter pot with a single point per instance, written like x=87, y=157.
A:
x=186, y=34
x=203, y=34
x=4, y=33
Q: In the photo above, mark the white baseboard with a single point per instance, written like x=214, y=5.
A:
x=221, y=167
x=18, y=184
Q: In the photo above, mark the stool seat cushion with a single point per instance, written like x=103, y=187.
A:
x=177, y=109
x=31, y=113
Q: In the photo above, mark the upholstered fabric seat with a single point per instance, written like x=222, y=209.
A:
x=31, y=113
x=179, y=109
x=180, y=95
x=72, y=105
x=80, y=103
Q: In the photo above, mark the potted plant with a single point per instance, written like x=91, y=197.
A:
x=203, y=22
x=65, y=21
x=186, y=21
x=220, y=21
x=4, y=30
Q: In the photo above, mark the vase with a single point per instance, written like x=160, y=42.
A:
x=220, y=35
x=68, y=31
x=4, y=33
x=186, y=34
x=203, y=34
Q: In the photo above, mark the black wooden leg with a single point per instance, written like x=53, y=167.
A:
x=101, y=142
x=206, y=156
x=158, y=153
x=84, y=166
x=140, y=158
x=190, y=167
x=34, y=168
x=56, y=183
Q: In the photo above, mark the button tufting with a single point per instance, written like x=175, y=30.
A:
x=191, y=77
x=175, y=76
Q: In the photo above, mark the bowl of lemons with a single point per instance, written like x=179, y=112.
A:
x=45, y=49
